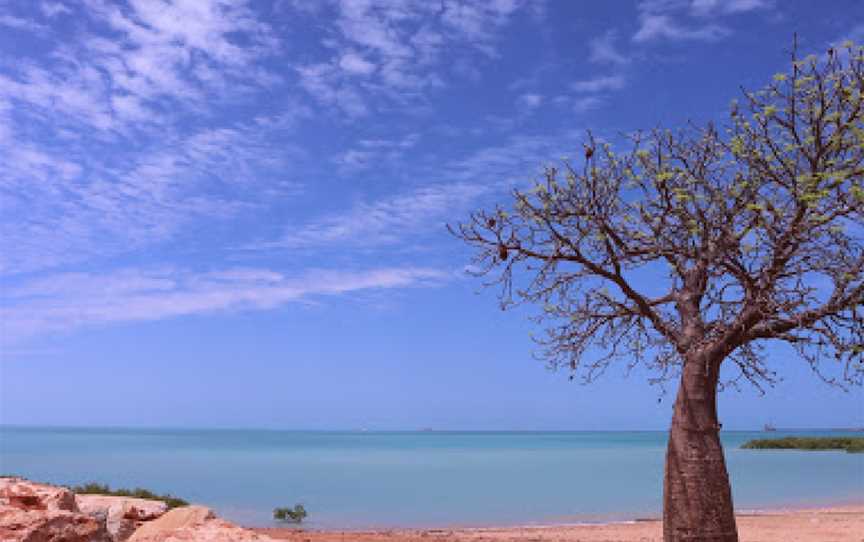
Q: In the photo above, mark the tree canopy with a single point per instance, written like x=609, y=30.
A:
x=711, y=238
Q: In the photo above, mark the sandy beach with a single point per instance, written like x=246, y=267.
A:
x=837, y=524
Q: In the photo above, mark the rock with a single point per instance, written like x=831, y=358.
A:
x=17, y=525
x=120, y=527
x=209, y=530
x=31, y=512
x=123, y=515
x=186, y=516
x=194, y=523
x=26, y=495
x=131, y=507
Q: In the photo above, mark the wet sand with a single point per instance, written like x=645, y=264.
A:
x=838, y=524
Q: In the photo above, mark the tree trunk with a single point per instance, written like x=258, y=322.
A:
x=697, y=498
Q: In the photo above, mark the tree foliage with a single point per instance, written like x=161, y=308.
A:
x=710, y=238
x=292, y=515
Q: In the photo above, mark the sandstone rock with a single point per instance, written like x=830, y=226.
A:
x=123, y=515
x=26, y=495
x=31, y=512
x=186, y=516
x=132, y=508
x=18, y=525
x=209, y=530
x=119, y=527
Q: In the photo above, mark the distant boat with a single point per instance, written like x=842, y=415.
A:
x=768, y=427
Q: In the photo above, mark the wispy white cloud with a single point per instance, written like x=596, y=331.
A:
x=52, y=9
x=590, y=94
x=67, y=301
x=449, y=190
x=163, y=55
x=586, y=103
x=478, y=21
x=393, y=50
x=354, y=63
x=19, y=23
x=602, y=50
x=599, y=84
x=380, y=153
x=705, y=8
x=667, y=19
x=120, y=133
x=385, y=221
x=60, y=209
x=322, y=81
x=654, y=27
x=529, y=101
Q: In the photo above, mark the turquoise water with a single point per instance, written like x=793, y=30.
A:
x=354, y=479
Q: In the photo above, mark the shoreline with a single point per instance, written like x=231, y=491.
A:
x=811, y=524
x=613, y=519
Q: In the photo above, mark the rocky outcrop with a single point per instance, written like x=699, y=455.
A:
x=123, y=515
x=50, y=526
x=26, y=495
x=179, y=518
x=208, y=530
x=31, y=512
x=214, y=530
x=132, y=508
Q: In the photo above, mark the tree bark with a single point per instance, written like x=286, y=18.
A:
x=697, y=497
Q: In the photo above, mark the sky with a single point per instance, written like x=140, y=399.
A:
x=220, y=213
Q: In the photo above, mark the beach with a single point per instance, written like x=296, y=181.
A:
x=31, y=511
x=836, y=524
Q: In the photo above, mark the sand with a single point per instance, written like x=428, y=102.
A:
x=839, y=524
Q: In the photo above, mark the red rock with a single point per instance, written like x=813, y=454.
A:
x=31, y=512
x=26, y=495
x=128, y=507
x=194, y=523
x=208, y=530
x=123, y=515
x=18, y=525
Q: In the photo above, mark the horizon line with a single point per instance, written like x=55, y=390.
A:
x=362, y=430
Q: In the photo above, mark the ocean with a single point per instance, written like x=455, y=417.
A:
x=419, y=479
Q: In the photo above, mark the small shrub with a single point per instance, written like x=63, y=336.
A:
x=293, y=515
x=138, y=492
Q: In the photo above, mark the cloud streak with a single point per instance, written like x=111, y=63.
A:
x=64, y=302
x=657, y=27
x=663, y=19
x=382, y=222
x=447, y=191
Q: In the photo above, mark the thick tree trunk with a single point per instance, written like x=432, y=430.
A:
x=697, y=498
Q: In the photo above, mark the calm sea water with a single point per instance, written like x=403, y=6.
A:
x=354, y=479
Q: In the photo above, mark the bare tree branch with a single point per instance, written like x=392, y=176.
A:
x=704, y=242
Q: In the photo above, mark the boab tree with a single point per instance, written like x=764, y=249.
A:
x=694, y=249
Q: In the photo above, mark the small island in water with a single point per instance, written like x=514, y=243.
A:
x=850, y=444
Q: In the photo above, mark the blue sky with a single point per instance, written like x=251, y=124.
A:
x=229, y=213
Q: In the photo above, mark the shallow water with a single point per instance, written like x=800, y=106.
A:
x=370, y=479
